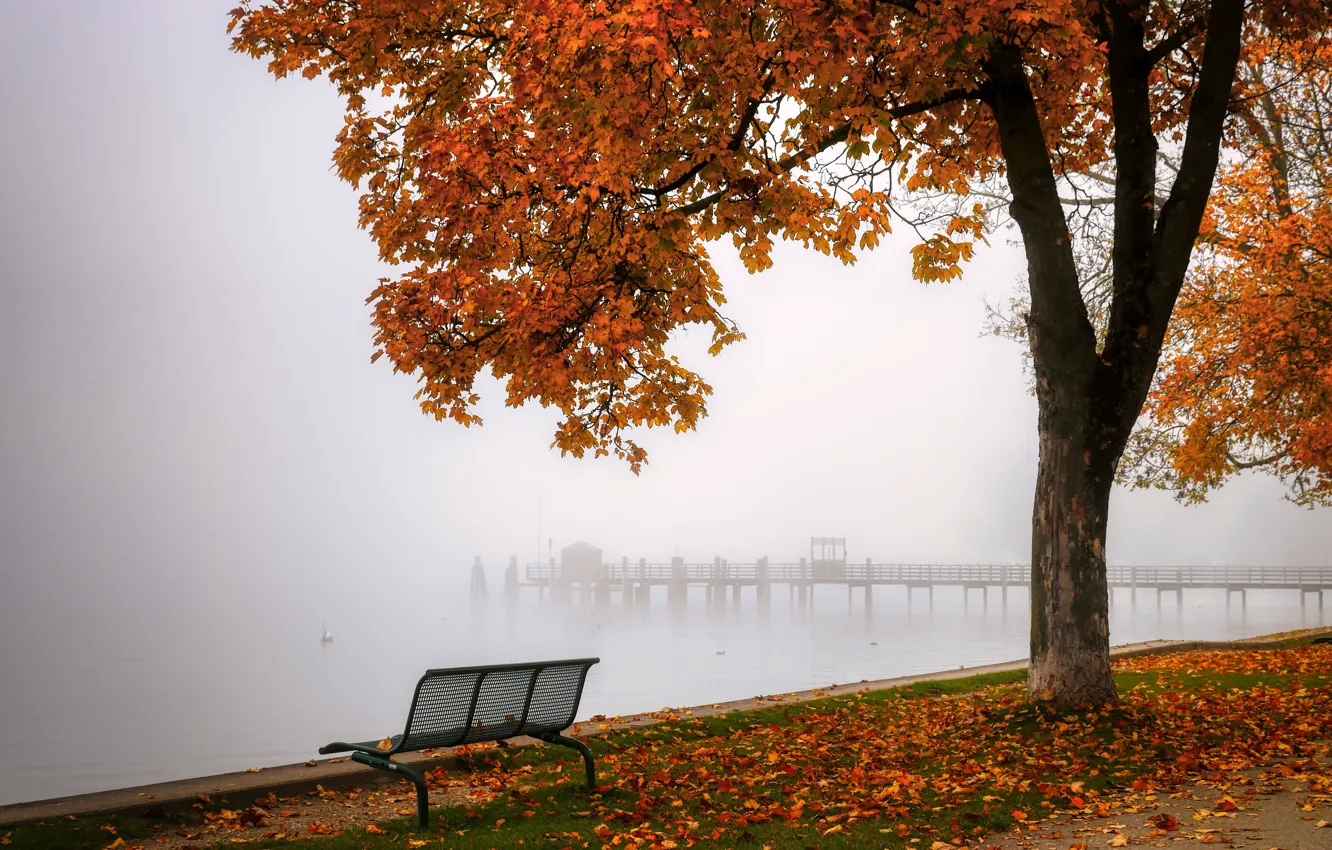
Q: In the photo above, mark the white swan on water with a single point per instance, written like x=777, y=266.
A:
x=327, y=636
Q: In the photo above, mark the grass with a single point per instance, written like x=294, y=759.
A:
x=906, y=768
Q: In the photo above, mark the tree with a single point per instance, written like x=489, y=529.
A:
x=1246, y=378
x=549, y=174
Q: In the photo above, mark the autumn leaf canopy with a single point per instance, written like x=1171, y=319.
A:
x=1246, y=379
x=547, y=175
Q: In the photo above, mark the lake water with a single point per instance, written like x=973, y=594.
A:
x=116, y=713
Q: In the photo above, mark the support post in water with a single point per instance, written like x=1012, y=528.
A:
x=478, y=589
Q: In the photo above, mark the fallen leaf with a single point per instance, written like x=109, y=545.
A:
x=1164, y=821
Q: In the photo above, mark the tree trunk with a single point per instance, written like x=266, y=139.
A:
x=1070, y=631
x=1089, y=400
x=1070, y=635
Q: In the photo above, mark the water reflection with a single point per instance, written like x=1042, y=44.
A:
x=115, y=715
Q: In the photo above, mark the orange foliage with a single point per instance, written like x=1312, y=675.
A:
x=548, y=173
x=1246, y=380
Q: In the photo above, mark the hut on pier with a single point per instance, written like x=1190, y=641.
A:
x=827, y=557
x=580, y=562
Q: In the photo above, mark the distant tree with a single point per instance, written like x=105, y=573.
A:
x=1246, y=376
x=549, y=174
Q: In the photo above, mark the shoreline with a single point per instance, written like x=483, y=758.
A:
x=341, y=773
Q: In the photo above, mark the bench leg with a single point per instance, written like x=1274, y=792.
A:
x=582, y=748
x=422, y=793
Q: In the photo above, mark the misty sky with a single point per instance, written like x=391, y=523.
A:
x=192, y=432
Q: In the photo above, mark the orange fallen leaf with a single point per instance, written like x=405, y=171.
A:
x=1166, y=822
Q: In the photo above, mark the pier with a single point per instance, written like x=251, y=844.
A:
x=634, y=582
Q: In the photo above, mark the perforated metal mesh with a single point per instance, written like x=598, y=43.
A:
x=499, y=705
x=440, y=710
x=555, y=699
x=466, y=706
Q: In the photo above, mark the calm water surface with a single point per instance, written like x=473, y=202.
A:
x=116, y=713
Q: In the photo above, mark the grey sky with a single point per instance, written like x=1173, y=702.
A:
x=191, y=429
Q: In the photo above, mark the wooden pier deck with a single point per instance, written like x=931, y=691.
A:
x=635, y=580
x=722, y=571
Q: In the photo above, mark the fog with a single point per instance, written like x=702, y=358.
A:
x=197, y=457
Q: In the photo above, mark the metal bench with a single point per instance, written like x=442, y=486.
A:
x=471, y=705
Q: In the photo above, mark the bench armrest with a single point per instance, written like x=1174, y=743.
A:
x=335, y=747
x=371, y=747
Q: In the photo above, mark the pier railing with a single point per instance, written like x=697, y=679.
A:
x=754, y=572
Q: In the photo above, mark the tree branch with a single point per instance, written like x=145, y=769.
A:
x=1063, y=341
x=737, y=139
x=834, y=138
x=1130, y=342
x=1145, y=293
x=1173, y=42
x=1177, y=227
x=1256, y=462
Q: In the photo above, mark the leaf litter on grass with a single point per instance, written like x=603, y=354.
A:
x=894, y=766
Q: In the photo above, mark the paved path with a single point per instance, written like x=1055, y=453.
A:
x=1287, y=806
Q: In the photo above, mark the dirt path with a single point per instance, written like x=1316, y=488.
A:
x=321, y=812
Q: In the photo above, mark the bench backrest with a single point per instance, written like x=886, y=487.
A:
x=465, y=705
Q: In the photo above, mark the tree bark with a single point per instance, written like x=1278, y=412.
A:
x=1070, y=628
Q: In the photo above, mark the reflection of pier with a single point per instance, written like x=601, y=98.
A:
x=633, y=582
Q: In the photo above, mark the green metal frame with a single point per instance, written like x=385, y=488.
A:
x=417, y=778
x=578, y=745
x=368, y=752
